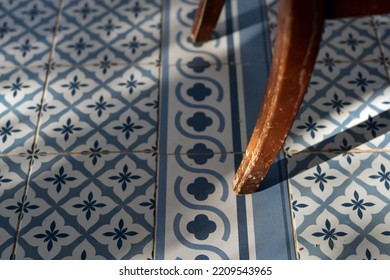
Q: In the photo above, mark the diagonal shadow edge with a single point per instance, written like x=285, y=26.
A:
x=275, y=176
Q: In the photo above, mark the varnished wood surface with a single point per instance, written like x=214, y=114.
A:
x=297, y=43
x=205, y=20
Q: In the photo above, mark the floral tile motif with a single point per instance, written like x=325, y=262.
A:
x=75, y=201
x=26, y=32
x=203, y=222
x=197, y=106
x=12, y=185
x=346, y=107
x=382, y=23
x=202, y=129
x=341, y=209
x=349, y=39
x=20, y=94
x=121, y=32
x=109, y=110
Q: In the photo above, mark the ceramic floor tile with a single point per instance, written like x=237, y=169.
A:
x=112, y=109
x=341, y=205
x=122, y=32
x=27, y=32
x=197, y=106
x=204, y=116
x=382, y=23
x=350, y=39
x=200, y=217
x=13, y=176
x=91, y=193
x=197, y=95
x=83, y=201
x=21, y=91
x=346, y=104
x=196, y=208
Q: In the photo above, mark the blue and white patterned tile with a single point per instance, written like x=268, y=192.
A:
x=90, y=211
x=200, y=217
x=348, y=103
x=196, y=103
x=382, y=23
x=122, y=32
x=341, y=210
x=349, y=39
x=196, y=208
x=117, y=108
x=12, y=186
x=19, y=88
x=27, y=31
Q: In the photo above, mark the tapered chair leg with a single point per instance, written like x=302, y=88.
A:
x=297, y=43
x=206, y=19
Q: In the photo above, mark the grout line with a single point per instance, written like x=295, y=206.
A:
x=129, y=152
x=330, y=151
x=159, y=89
x=159, y=64
x=36, y=135
x=78, y=153
x=159, y=83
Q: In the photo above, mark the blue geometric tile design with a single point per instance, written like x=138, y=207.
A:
x=80, y=93
x=345, y=105
x=20, y=91
x=119, y=31
x=203, y=222
x=27, y=32
x=85, y=104
x=340, y=200
x=341, y=210
x=349, y=39
x=78, y=135
x=77, y=201
x=201, y=104
x=12, y=184
x=381, y=23
x=201, y=217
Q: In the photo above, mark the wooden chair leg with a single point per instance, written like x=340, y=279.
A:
x=206, y=19
x=297, y=43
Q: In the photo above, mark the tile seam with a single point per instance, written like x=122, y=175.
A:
x=36, y=134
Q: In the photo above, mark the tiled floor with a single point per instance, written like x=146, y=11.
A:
x=108, y=112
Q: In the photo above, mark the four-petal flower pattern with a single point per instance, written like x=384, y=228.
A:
x=320, y=177
x=51, y=235
x=120, y=233
x=60, y=179
x=383, y=176
x=330, y=234
x=89, y=203
x=358, y=204
x=125, y=177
